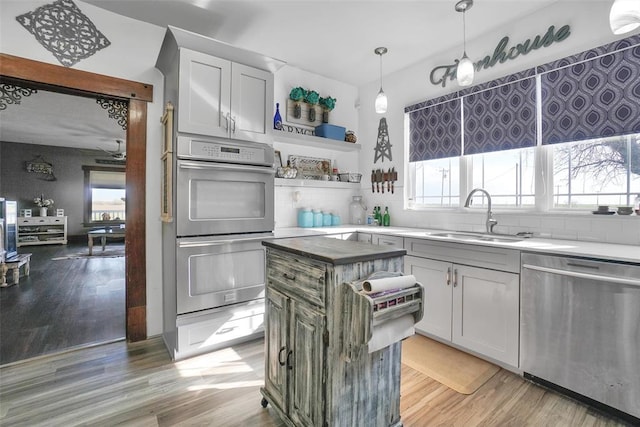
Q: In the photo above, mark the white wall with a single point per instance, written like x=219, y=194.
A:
x=589, y=28
x=131, y=55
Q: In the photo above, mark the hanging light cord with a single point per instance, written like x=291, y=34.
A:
x=464, y=32
x=380, y=71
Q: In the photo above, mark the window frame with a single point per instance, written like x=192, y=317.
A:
x=88, y=196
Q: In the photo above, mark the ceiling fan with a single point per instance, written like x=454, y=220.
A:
x=119, y=154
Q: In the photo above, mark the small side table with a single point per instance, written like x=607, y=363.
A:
x=103, y=235
x=14, y=265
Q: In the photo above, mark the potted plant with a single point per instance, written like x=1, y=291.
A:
x=327, y=105
x=43, y=204
x=297, y=95
x=312, y=97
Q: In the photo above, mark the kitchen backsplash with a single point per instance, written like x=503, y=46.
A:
x=562, y=225
x=335, y=200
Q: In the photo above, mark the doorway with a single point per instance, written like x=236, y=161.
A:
x=66, y=80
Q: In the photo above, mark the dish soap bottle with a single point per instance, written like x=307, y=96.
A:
x=277, y=119
x=386, y=218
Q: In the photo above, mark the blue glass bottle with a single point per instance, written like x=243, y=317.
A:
x=277, y=119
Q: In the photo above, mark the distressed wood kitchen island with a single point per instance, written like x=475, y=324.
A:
x=317, y=371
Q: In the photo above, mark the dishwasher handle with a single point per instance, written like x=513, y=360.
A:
x=589, y=276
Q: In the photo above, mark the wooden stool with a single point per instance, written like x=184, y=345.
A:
x=14, y=264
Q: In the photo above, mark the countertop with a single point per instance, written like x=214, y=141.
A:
x=596, y=250
x=337, y=252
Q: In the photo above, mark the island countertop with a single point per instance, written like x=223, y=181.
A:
x=334, y=251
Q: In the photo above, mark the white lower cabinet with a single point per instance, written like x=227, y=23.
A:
x=472, y=307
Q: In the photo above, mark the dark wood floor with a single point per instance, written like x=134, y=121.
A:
x=62, y=303
x=137, y=384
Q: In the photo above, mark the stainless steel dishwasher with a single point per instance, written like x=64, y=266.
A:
x=580, y=329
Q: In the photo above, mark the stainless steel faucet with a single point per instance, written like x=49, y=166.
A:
x=490, y=221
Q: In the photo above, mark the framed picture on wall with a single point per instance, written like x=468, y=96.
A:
x=59, y=212
x=25, y=213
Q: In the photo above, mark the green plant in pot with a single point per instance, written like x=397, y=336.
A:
x=297, y=95
x=312, y=98
x=327, y=105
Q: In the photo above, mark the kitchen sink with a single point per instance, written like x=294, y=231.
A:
x=477, y=237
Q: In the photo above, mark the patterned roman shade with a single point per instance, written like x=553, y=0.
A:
x=500, y=118
x=435, y=131
x=591, y=99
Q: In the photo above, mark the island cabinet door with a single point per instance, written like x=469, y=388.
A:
x=277, y=315
x=306, y=403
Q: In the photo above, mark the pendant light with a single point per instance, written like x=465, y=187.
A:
x=381, y=99
x=624, y=16
x=464, y=72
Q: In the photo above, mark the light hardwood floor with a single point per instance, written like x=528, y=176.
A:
x=138, y=385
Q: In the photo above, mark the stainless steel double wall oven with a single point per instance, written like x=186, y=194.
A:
x=224, y=208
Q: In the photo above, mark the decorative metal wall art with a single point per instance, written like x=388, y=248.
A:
x=13, y=94
x=66, y=32
x=41, y=167
x=118, y=110
x=383, y=146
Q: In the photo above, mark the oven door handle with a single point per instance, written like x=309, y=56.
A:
x=205, y=243
x=225, y=166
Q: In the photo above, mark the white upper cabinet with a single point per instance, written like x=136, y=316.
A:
x=223, y=99
x=251, y=103
x=217, y=90
x=204, y=100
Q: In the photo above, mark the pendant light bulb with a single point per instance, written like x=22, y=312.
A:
x=624, y=16
x=465, y=71
x=381, y=102
x=381, y=99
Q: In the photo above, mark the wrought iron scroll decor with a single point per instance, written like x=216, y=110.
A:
x=13, y=94
x=118, y=110
x=41, y=167
x=66, y=32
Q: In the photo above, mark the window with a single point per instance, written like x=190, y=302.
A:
x=509, y=176
x=105, y=195
x=603, y=171
x=437, y=182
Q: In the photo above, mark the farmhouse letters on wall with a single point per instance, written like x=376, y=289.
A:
x=66, y=32
x=440, y=74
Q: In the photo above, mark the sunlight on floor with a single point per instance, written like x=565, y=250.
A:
x=225, y=361
x=226, y=386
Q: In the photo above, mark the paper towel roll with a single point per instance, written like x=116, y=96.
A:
x=390, y=332
x=387, y=283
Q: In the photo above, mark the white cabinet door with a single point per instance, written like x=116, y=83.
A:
x=364, y=237
x=204, y=94
x=486, y=312
x=435, y=277
x=251, y=103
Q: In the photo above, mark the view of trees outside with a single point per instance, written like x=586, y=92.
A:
x=107, y=204
x=597, y=172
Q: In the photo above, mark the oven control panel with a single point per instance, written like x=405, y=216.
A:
x=232, y=152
